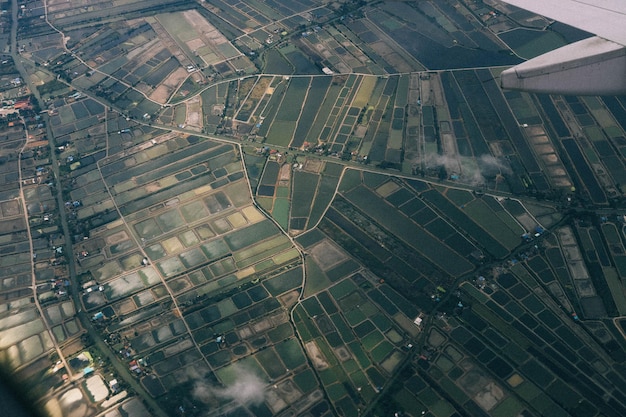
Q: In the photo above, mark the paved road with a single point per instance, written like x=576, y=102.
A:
x=120, y=367
x=16, y=57
x=33, y=283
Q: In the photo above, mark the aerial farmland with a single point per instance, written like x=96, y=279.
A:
x=304, y=208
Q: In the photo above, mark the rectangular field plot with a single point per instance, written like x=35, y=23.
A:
x=355, y=345
x=408, y=231
x=205, y=238
x=505, y=230
x=459, y=218
x=389, y=251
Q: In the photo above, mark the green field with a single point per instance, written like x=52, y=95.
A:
x=482, y=214
x=408, y=231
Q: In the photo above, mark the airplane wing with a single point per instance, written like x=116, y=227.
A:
x=593, y=66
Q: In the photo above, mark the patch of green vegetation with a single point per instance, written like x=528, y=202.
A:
x=350, y=179
x=316, y=280
x=276, y=63
x=280, y=212
x=284, y=282
x=51, y=87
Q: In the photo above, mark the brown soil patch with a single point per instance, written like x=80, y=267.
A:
x=285, y=172
x=162, y=93
x=152, y=187
x=289, y=299
x=10, y=208
x=117, y=237
x=195, y=44
x=316, y=356
x=312, y=165
x=125, y=307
